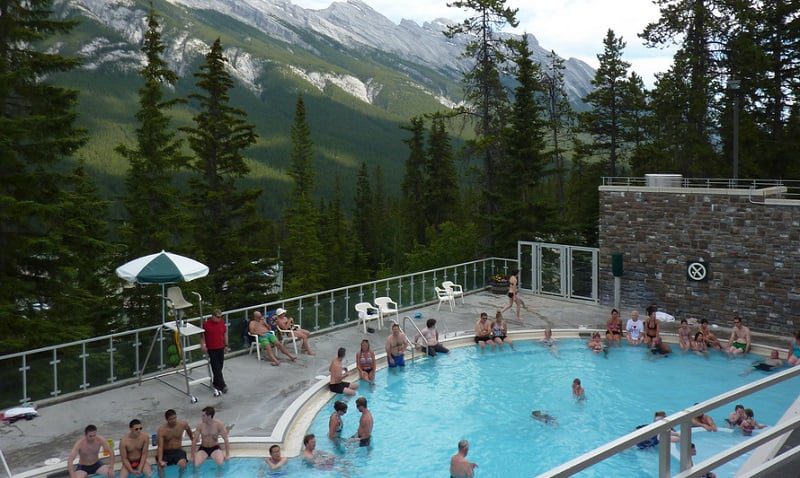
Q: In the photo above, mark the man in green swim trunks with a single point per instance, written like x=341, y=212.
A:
x=267, y=338
x=739, y=342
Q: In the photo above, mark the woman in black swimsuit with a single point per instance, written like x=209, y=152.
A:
x=652, y=328
x=513, y=293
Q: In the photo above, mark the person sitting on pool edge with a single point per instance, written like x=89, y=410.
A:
x=710, y=338
x=338, y=371
x=431, y=343
x=483, y=332
x=614, y=328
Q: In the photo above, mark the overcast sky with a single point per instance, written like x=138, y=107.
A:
x=573, y=28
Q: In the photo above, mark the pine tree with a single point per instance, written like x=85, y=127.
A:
x=441, y=188
x=605, y=120
x=560, y=119
x=413, y=186
x=304, y=254
x=485, y=49
x=155, y=220
x=362, y=216
x=340, y=246
x=524, y=212
x=701, y=28
x=225, y=222
x=38, y=135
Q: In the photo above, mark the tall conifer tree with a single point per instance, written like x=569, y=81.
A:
x=441, y=187
x=414, y=182
x=155, y=220
x=605, y=120
x=304, y=255
x=524, y=211
x=485, y=49
x=560, y=119
x=224, y=223
x=37, y=135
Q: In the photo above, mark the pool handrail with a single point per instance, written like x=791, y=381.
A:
x=5, y=464
x=413, y=346
x=683, y=419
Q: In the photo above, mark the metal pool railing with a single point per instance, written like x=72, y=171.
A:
x=683, y=419
x=113, y=360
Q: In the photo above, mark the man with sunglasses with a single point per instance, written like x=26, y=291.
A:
x=739, y=342
x=133, y=451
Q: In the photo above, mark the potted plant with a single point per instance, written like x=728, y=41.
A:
x=498, y=284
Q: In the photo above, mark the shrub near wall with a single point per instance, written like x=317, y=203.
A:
x=752, y=253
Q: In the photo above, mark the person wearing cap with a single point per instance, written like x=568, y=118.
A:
x=287, y=323
x=214, y=342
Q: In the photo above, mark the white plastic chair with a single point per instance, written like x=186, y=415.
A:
x=363, y=309
x=254, y=345
x=288, y=336
x=454, y=290
x=444, y=296
x=386, y=307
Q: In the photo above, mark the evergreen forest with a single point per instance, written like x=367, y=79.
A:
x=514, y=162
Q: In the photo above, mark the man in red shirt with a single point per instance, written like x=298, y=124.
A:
x=214, y=342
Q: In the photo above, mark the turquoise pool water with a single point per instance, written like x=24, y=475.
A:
x=421, y=412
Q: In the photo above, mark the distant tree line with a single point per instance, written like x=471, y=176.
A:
x=533, y=163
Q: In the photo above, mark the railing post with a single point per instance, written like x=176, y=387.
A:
x=664, y=443
x=111, y=378
x=136, y=344
x=399, y=292
x=346, y=304
x=413, y=300
x=333, y=310
x=24, y=369
x=55, y=363
x=83, y=357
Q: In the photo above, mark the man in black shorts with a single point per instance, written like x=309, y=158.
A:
x=170, y=436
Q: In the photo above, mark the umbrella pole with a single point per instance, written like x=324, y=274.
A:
x=163, y=306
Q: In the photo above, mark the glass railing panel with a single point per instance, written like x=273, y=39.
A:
x=582, y=274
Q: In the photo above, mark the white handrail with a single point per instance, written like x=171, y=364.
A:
x=682, y=418
x=413, y=346
x=5, y=464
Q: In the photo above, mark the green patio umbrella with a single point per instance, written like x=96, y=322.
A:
x=162, y=268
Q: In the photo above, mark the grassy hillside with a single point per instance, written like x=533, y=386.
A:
x=345, y=130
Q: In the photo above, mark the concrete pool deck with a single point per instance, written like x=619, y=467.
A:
x=259, y=393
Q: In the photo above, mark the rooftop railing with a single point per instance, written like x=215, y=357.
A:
x=683, y=419
x=792, y=187
x=109, y=361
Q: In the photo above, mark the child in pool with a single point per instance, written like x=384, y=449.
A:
x=544, y=417
x=577, y=390
x=749, y=423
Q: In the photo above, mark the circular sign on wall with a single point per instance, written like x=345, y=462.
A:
x=697, y=271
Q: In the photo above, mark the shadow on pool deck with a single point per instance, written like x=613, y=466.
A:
x=259, y=393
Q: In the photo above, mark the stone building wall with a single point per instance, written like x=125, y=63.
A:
x=752, y=252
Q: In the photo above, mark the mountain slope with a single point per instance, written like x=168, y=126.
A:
x=361, y=75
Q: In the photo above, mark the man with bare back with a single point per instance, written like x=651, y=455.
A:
x=170, y=436
x=208, y=432
x=133, y=451
x=87, y=450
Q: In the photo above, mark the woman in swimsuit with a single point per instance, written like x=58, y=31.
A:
x=699, y=344
x=365, y=361
x=684, y=339
x=652, y=328
x=513, y=293
x=500, y=331
x=614, y=328
x=793, y=356
x=335, y=423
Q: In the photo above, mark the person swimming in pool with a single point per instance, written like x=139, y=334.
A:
x=577, y=390
x=544, y=417
x=459, y=466
x=704, y=421
x=550, y=342
x=769, y=364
